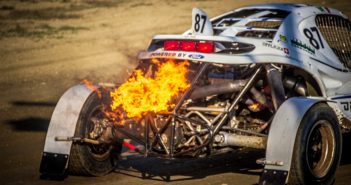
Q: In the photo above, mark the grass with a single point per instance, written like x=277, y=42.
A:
x=70, y=10
x=40, y=31
x=6, y=7
x=104, y=3
x=33, y=22
x=42, y=14
x=140, y=4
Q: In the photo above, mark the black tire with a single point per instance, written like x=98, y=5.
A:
x=88, y=159
x=317, y=149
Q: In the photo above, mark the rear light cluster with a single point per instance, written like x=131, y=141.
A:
x=197, y=46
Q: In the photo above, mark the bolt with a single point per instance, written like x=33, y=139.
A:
x=219, y=138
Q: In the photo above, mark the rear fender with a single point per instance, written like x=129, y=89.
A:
x=281, y=139
x=63, y=124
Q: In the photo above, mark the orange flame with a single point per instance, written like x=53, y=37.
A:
x=142, y=94
x=91, y=86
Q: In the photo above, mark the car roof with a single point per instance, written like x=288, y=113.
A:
x=281, y=6
x=263, y=20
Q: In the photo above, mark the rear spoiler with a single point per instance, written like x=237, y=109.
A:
x=228, y=45
x=194, y=37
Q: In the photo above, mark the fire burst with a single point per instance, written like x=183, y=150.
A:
x=142, y=94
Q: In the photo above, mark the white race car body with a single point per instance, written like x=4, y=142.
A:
x=290, y=45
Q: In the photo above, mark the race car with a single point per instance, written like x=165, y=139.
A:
x=275, y=77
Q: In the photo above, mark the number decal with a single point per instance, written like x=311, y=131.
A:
x=312, y=40
x=315, y=43
x=319, y=36
x=203, y=17
x=198, y=24
x=346, y=105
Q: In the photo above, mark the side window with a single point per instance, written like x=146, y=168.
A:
x=336, y=31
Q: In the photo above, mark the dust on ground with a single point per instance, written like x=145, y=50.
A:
x=47, y=46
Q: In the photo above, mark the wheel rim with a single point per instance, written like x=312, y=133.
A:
x=99, y=152
x=320, y=148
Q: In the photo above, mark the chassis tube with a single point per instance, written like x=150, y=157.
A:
x=221, y=88
x=275, y=81
x=190, y=90
x=247, y=87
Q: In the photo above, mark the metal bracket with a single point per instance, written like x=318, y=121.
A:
x=273, y=177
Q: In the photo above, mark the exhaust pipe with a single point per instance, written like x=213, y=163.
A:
x=274, y=78
x=219, y=88
x=225, y=139
x=296, y=84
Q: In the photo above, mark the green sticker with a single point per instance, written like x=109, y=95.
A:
x=282, y=38
x=321, y=9
x=298, y=44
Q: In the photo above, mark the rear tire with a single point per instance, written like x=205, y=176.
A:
x=88, y=159
x=317, y=149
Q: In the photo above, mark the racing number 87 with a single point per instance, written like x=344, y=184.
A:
x=314, y=42
x=198, y=24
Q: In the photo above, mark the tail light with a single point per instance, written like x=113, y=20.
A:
x=172, y=45
x=205, y=47
x=188, y=46
x=197, y=46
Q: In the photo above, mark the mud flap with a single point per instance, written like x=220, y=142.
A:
x=273, y=177
x=281, y=139
x=62, y=124
x=53, y=164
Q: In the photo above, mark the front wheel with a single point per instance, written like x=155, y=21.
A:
x=317, y=148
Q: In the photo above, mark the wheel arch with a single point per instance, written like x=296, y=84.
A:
x=63, y=124
x=281, y=138
x=311, y=81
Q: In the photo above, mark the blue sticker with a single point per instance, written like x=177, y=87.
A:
x=196, y=56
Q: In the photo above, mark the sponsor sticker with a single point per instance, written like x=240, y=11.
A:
x=320, y=9
x=323, y=9
x=183, y=55
x=270, y=45
x=298, y=44
x=286, y=51
x=196, y=56
x=163, y=54
x=282, y=38
x=168, y=54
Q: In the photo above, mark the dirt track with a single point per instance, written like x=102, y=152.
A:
x=50, y=46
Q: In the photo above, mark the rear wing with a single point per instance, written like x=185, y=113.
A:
x=227, y=50
x=199, y=44
x=194, y=37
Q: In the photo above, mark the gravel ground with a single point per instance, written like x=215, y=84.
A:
x=48, y=46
